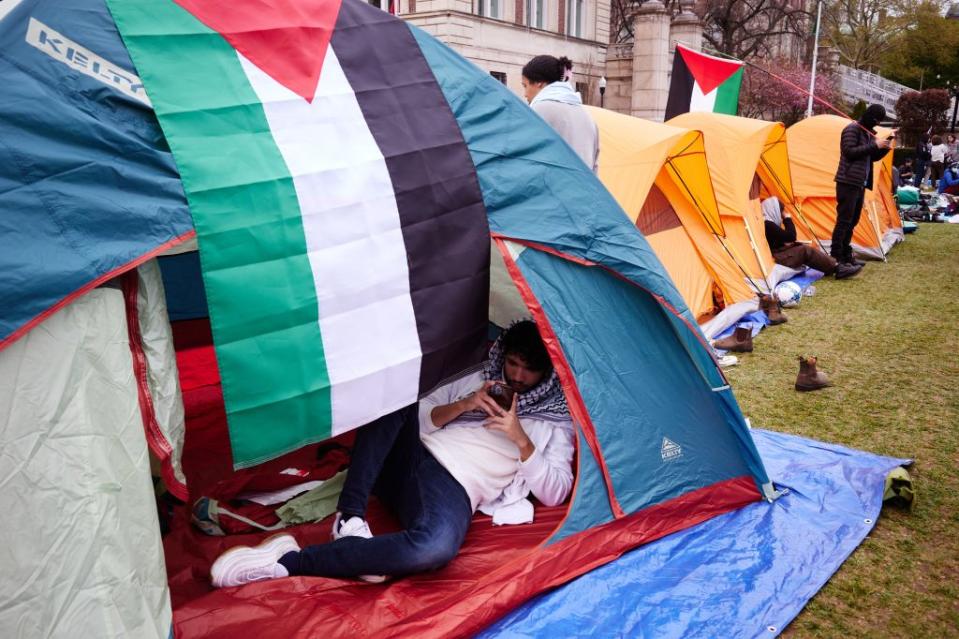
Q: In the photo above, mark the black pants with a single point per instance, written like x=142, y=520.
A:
x=849, y=199
x=795, y=255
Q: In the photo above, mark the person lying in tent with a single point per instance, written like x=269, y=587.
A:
x=485, y=441
x=781, y=236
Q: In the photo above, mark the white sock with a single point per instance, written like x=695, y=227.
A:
x=279, y=570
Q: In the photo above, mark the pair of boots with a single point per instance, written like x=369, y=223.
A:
x=773, y=309
x=810, y=378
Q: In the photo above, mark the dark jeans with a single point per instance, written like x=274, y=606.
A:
x=432, y=507
x=920, y=172
x=795, y=255
x=849, y=199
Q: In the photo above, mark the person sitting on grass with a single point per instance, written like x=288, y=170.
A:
x=781, y=237
x=434, y=464
x=906, y=175
x=949, y=183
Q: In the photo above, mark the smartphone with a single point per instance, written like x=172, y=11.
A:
x=502, y=395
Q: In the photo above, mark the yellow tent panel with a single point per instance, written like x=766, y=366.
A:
x=748, y=159
x=660, y=176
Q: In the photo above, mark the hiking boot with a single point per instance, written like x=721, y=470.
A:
x=244, y=564
x=773, y=309
x=809, y=378
x=851, y=260
x=844, y=270
x=741, y=341
x=355, y=527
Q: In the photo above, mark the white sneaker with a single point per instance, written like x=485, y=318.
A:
x=352, y=527
x=728, y=360
x=355, y=527
x=245, y=564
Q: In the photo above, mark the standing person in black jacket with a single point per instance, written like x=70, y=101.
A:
x=781, y=237
x=858, y=149
x=923, y=156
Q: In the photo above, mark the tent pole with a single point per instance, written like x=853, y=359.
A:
x=735, y=258
x=738, y=261
x=874, y=218
x=812, y=234
x=752, y=242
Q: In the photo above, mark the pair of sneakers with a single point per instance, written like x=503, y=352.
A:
x=248, y=564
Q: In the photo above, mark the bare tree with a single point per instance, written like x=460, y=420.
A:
x=753, y=28
x=741, y=28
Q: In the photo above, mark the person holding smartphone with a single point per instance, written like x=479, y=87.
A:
x=483, y=442
x=859, y=147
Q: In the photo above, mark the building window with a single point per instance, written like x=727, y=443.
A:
x=535, y=13
x=487, y=8
x=499, y=75
x=574, y=18
x=390, y=6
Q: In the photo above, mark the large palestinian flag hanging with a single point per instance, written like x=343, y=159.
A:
x=343, y=237
x=703, y=82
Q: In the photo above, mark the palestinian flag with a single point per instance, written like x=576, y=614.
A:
x=703, y=82
x=343, y=237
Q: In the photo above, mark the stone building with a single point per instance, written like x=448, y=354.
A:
x=500, y=36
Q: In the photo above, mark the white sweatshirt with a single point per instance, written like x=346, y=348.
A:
x=486, y=463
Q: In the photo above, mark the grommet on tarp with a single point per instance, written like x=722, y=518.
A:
x=867, y=521
x=772, y=628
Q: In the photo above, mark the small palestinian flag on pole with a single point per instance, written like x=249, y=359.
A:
x=703, y=82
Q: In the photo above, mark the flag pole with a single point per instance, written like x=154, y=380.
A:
x=815, y=58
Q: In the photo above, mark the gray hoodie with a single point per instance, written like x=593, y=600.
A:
x=563, y=110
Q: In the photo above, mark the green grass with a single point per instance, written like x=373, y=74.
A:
x=889, y=341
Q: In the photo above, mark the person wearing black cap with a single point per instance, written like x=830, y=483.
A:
x=859, y=148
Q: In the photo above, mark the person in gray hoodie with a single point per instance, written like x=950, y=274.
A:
x=550, y=95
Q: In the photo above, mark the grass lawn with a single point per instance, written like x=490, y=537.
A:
x=889, y=341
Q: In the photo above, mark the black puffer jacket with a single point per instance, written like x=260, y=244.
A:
x=858, y=150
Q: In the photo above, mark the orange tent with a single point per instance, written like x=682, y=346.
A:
x=660, y=176
x=814, y=155
x=748, y=161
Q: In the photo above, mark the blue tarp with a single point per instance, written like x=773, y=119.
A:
x=757, y=320
x=744, y=574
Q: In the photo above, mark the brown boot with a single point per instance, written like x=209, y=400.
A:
x=739, y=342
x=770, y=306
x=810, y=379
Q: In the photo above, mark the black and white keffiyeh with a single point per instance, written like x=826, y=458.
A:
x=546, y=400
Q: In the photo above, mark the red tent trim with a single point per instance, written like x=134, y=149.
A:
x=155, y=438
x=576, y=404
x=549, y=566
x=120, y=270
x=662, y=301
